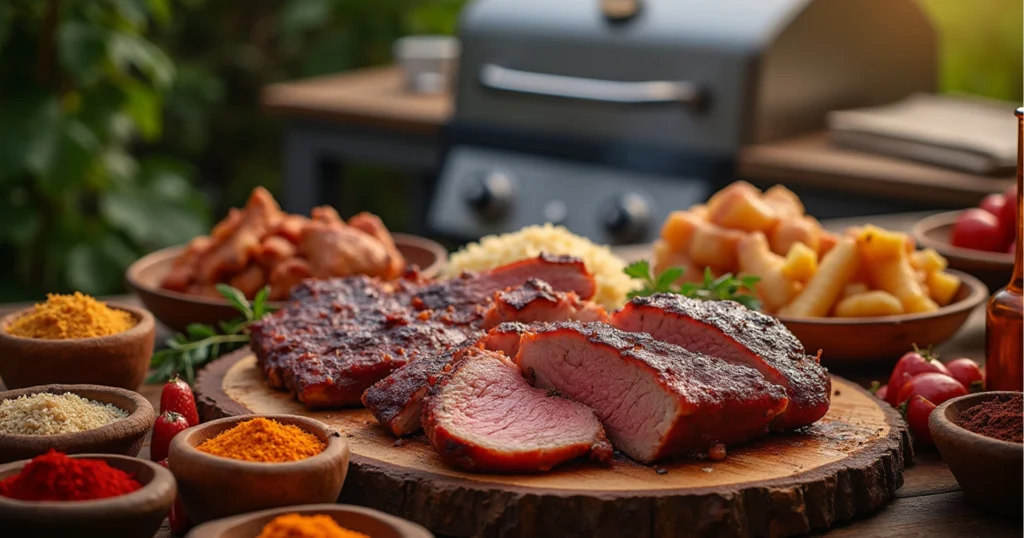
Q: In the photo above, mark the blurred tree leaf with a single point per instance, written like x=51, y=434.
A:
x=144, y=107
x=97, y=266
x=128, y=51
x=299, y=17
x=81, y=48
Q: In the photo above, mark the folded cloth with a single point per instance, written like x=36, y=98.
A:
x=966, y=133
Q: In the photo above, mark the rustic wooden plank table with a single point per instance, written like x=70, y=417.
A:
x=930, y=503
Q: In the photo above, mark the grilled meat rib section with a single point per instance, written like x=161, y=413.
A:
x=335, y=338
x=481, y=415
x=740, y=336
x=656, y=400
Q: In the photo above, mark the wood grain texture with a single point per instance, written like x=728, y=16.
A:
x=850, y=463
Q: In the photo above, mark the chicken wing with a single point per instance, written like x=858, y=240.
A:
x=285, y=275
x=371, y=224
x=233, y=254
x=343, y=250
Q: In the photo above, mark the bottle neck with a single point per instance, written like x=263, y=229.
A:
x=1017, y=282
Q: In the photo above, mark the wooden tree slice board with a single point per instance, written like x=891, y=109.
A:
x=848, y=464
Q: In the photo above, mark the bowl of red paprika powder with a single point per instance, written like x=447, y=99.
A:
x=980, y=437
x=100, y=496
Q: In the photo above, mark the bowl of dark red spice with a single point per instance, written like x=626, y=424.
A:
x=73, y=419
x=243, y=464
x=319, y=521
x=85, y=495
x=980, y=437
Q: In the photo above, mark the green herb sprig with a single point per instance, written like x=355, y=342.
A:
x=199, y=344
x=725, y=287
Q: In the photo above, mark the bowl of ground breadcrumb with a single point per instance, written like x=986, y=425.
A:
x=74, y=419
x=76, y=339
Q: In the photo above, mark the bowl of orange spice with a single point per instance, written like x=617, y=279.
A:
x=76, y=339
x=243, y=464
x=319, y=520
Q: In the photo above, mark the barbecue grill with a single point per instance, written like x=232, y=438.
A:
x=604, y=116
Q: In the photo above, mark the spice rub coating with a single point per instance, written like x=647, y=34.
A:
x=335, y=338
x=656, y=400
x=740, y=336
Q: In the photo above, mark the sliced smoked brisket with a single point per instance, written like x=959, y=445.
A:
x=395, y=400
x=729, y=330
x=481, y=415
x=537, y=301
x=337, y=337
x=656, y=400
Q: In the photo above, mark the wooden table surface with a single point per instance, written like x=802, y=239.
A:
x=375, y=97
x=930, y=503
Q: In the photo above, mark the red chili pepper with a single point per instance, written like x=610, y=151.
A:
x=177, y=518
x=177, y=396
x=56, y=477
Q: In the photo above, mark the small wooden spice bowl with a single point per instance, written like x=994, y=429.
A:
x=988, y=470
x=125, y=436
x=134, y=515
x=117, y=360
x=212, y=487
x=355, y=518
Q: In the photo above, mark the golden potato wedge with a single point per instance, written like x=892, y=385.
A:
x=794, y=230
x=722, y=195
x=856, y=288
x=928, y=260
x=896, y=276
x=741, y=209
x=678, y=229
x=785, y=203
x=822, y=290
x=700, y=210
x=755, y=258
x=878, y=244
x=942, y=287
x=869, y=304
x=801, y=263
x=714, y=246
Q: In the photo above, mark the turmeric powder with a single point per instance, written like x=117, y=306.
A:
x=71, y=316
x=299, y=526
x=263, y=440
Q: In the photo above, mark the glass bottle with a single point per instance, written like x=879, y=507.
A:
x=1004, y=332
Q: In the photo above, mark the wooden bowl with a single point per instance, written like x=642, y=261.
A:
x=988, y=470
x=118, y=360
x=857, y=340
x=992, y=268
x=356, y=518
x=212, y=487
x=125, y=436
x=135, y=515
x=176, y=310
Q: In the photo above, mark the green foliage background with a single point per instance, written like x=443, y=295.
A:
x=127, y=125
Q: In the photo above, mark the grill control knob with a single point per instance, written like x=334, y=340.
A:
x=490, y=194
x=627, y=218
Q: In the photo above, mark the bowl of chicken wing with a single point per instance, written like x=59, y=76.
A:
x=261, y=246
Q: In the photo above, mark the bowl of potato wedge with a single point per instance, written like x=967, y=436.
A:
x=865, y=294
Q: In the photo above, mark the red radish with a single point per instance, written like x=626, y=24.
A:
x=979, y=230
x=968, y=373
x=882, y=392
x=917, y=412
x=934, y=386
x=993, y=203
x=910, y=364
x=176, y=518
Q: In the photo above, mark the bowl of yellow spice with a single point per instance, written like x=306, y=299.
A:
x=243, y=464
x=313, y=521
x=76, y=339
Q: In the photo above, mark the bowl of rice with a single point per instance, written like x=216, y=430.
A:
x=497, y=250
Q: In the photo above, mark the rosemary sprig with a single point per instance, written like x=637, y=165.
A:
x=199, y=344
x=725, y=287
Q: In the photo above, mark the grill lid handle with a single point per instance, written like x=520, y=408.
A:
x=590, y=89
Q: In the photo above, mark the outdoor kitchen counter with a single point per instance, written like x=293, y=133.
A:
x=930, y=503
x=323, y=112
